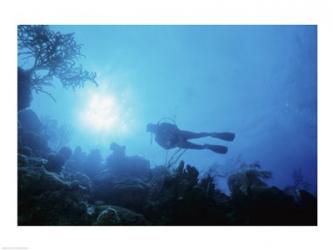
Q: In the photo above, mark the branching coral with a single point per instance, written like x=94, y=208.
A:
x=51, y=55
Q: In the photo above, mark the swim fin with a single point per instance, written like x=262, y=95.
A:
x=227, y=136
x=217, y=148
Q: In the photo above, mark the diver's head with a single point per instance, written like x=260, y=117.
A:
x=151, y=127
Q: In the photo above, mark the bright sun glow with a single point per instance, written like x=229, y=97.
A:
x=104, y=113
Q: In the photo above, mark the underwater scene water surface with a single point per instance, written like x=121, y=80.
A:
x=167, y=125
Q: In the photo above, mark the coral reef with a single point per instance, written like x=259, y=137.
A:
x=121, y=166
x=169, y=197
x=56, y=162
x=29, y=120
x=65, y=188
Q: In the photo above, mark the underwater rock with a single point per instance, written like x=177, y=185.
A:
x=306, y=198
x=84, y=180
x=170, y=197
x=24, y=88
x=137, y=167
x=55, y=163
x=20, y=132
x=79, y=190
x=128, y=193
x=44, y=198
x=76, y=161
x=54, y=208
x=92, y=164
x=29, y=121
x=27, y=161
x=121, y=166
x=22, y=160
x=128, y=217
x=99, y=203
x=115, y=215
x=307, y=205
x=35, y=180
x=37, y=162
x=65, y=152
x=270, y=206
x=253, y=202
x=118, y=151
x=107, y=217
x=34, y=141
x=79, y=179
x=25, y=151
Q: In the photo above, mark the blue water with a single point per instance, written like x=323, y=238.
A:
x=257, y=81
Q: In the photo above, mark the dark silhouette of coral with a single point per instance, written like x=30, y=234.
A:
x=51, y=55
x=65, y=188
x=121, y=166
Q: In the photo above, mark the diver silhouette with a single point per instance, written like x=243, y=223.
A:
x=169, y=136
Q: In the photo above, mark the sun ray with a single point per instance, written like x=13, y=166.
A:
x=103, y=113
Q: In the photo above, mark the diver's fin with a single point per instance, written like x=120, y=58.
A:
x=227, y=136
x=217, y=148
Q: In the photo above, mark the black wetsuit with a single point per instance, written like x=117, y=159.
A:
x=168, y=136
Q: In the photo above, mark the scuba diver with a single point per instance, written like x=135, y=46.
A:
x=169, y=136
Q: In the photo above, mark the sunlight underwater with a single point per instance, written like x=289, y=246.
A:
x=89, y=158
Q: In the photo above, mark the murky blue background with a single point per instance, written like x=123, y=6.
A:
x=257, y=81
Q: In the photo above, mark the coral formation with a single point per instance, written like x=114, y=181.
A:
x=65, y=188
x=53, y=55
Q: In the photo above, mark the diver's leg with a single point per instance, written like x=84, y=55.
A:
x=217, y=148
x=190, y=145
x=187, y=135
x=226, y=136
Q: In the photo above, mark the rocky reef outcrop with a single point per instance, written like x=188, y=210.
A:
x=77, y=188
